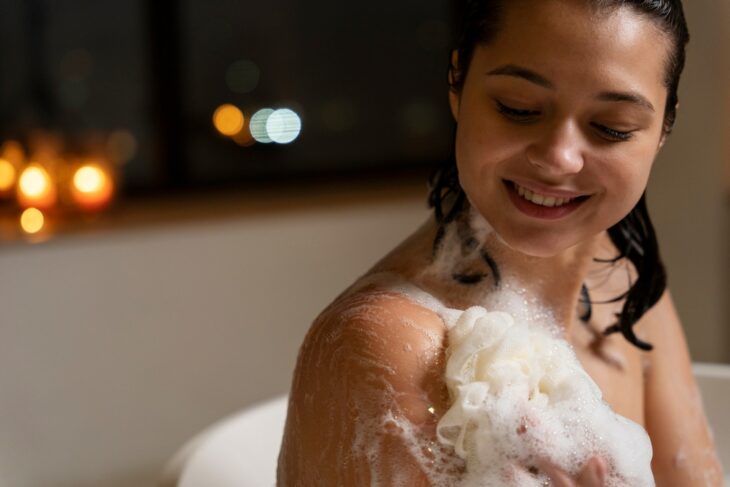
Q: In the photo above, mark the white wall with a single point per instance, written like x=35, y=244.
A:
x=115, y=349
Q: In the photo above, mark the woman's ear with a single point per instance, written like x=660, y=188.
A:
x=454, y=97
x=663, y=138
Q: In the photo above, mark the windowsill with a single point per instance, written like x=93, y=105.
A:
x=270, y=200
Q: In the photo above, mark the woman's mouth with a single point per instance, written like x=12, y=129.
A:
x=544, y=206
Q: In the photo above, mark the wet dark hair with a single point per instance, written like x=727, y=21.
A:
x=478, y=22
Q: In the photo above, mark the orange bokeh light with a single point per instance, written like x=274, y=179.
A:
x=12, y=151
x=92, y=186
x=8, y=175
x=36, y=188
x=32, y=220
x=228, y=120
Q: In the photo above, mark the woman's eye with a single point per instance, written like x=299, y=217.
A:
x=611, y=134
x=516, y=114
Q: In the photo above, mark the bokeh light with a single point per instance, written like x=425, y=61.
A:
x=89, y=179
x=32, y=220
x=242, y=76
x=122, y=146
x=92, y=186
x=34, y=182
x=244, y=137
x=13, y=151
x=258, y=124
x=7, y=175
x=283, y=126
x=228, y=120
x=36, y=188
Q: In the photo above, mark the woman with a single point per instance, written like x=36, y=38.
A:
x=561, y=107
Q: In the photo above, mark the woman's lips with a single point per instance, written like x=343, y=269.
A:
x=541, y=211
x=545, y=190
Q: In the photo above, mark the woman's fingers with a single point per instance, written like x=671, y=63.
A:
x=592, y=475
x=558, y=477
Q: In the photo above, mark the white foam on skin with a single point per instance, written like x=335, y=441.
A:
x=520, y=396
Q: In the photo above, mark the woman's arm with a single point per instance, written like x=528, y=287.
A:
x=684, y=453
x=365, y=357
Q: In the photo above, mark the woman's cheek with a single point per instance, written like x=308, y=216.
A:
x=627, y=187
x=481, y=152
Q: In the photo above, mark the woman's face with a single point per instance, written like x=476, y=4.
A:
x=564, y=104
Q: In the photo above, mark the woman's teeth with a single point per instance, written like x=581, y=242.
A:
x=538, y=199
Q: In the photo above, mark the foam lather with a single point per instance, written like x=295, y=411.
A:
x=520, y=397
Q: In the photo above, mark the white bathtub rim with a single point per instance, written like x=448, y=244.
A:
x=711, y=370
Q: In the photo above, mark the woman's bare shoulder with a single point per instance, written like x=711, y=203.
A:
x=375, y=346
x=384, y=320
x=370, y=353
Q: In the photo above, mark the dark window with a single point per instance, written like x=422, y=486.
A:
x=365, y=80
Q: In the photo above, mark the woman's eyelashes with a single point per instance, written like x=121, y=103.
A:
x=526, y=116
x=613, y=134
x=517, y=114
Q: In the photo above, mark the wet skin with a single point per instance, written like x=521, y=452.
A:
x=564, y=100
x=372, y=345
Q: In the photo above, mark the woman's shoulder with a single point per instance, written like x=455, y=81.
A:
x=373, y=353
x=377, y=340
x=380, y=313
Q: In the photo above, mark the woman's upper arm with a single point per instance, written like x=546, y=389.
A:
x=684, y=454
x=360, y=363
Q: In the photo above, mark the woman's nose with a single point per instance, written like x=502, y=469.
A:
x=558, y=151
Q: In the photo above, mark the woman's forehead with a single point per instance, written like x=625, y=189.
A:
x=573, y=24
x=565, y=40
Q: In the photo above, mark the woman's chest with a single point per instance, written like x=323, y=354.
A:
x=617, y=369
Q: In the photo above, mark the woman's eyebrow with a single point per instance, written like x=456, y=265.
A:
x=524, y=73
x=628, y=96
x=540, y=80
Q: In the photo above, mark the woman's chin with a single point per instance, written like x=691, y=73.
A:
x=531, y=242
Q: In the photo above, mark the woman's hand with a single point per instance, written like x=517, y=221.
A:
x=592, y=475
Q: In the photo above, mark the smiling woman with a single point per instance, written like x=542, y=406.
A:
x=578, y=125
x=473, y=354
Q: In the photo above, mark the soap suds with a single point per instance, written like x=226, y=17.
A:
x=521, y=397
x=518, y=396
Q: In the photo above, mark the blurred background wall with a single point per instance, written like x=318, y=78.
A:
x=688, y=194
x=126, y=333
x=116, y=348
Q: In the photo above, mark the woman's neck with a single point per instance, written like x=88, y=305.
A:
x=555, y=281
x=472, y=266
